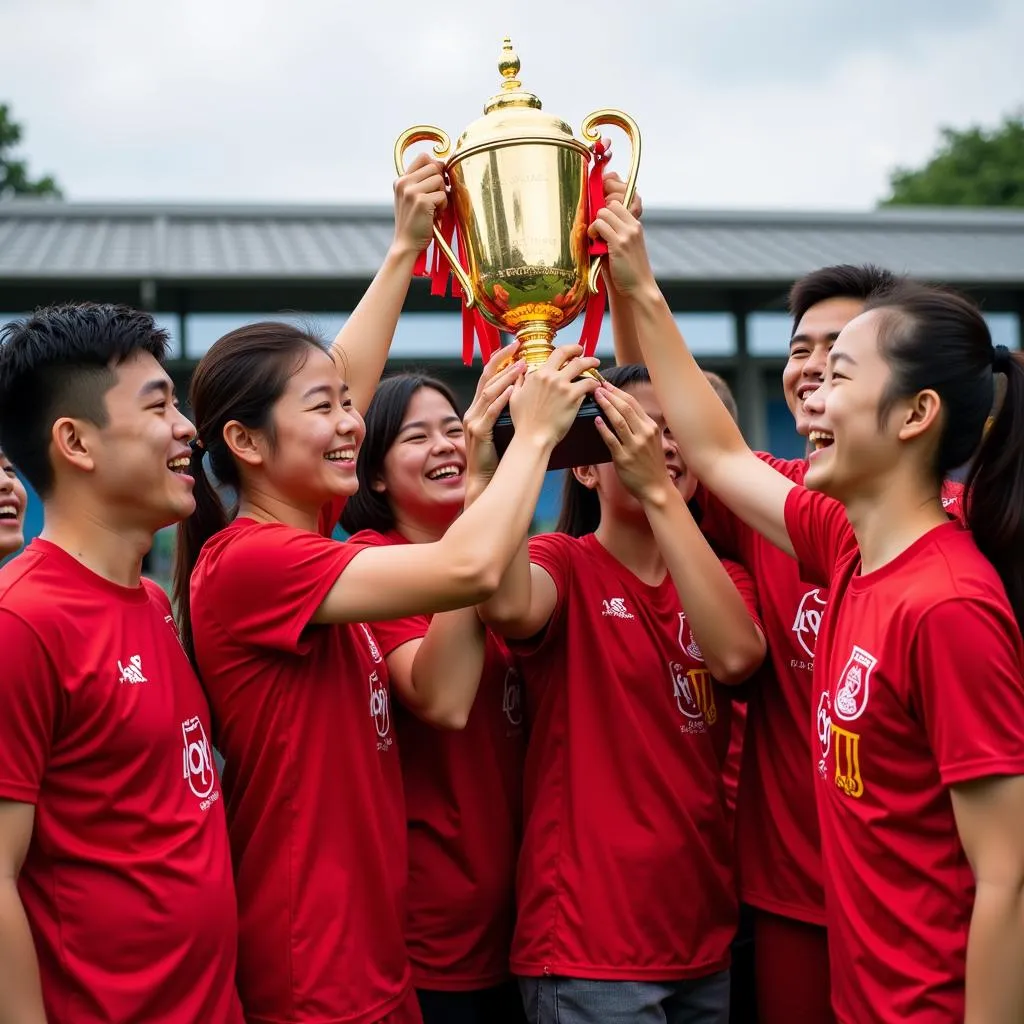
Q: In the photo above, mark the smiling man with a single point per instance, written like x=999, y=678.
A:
x=116, y=895
x=12, y=508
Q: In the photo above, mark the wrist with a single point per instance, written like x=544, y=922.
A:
x=402, y=253
x=656, y=497
x=646, y=295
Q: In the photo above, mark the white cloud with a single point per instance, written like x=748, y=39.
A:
x=753, y=104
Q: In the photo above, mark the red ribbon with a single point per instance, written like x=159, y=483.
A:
x=473, y=321
x=594, y=316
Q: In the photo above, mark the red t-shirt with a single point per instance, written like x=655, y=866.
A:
x=778, y=843
x=626, y=866
x=920, y=680
x=104, y=728
x=314, y=790
x=463, y=796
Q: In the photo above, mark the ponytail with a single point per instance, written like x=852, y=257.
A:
x=995, y=485
x=209, y=517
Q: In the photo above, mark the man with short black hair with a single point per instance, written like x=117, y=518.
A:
x=116, y=895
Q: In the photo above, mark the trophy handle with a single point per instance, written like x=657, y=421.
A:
x=591, y=134
x=442, y=147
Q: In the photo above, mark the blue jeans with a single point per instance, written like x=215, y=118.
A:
x=555, y=1000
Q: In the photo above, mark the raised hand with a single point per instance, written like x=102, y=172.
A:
x=419, y=196
x=615, y=192
x=627, y=253
x=635, y=442
x=546, y=400
x=493, y=391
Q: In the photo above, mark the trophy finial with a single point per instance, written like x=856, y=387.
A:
x=509, y=65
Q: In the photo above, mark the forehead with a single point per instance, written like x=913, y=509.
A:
x=828, y=317
x=136, y=372
x=428, y=403
x=643, y=392
x=859, y=339
x=315, y=369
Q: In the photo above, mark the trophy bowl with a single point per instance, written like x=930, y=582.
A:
x=521, y=196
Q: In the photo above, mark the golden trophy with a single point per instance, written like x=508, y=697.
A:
x=522, y=194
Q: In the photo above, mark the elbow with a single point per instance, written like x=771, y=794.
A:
x=448, y=719
x=740, y=662
x=476, y=578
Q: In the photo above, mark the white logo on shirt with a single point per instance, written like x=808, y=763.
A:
x=197, y=758
x=852, y=695
x=132, y=672
x=616, y=608
x=512, y=699
x=808, y=620
x=687, y=641
x=379, y=706
x=950, y=500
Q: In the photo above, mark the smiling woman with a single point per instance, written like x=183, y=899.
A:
x=13, y=501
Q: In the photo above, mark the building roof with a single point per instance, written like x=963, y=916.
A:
x=46, y=241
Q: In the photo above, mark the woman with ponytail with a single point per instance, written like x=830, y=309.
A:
x=298, y=688
x=622, y=620
x=919, y=668
x=418, y=468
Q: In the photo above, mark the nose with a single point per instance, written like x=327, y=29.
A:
x=349, y=422
x=443, y=443
x=815, y=401
x=183, y=428
x=814, y=365
x=6, y=483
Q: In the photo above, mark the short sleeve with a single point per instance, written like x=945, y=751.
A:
x=967, y=684
x=820, y=534
x=29, y=709
x=724, y=529
x=392, y=633
x=553, y=553
x=269, y=581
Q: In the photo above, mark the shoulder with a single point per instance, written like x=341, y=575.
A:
x=371, y=538
x=792, y=469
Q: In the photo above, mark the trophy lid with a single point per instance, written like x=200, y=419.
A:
x=513, y=114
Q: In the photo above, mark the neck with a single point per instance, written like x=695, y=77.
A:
x=898, y=510
x=420, y=529
x=111, y=551
x=632, y=543
x=265, y=507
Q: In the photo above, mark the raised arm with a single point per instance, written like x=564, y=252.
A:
x=466, y=565
x=733, y=646
x=361, y=347
x=624, y=336
x=21, y=997
x=990, y=819
x=709, y=440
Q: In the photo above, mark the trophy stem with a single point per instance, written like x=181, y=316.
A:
x=535, y=338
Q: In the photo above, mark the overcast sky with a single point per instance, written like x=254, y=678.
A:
x=742, y=103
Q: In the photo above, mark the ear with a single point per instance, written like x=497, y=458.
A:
x=586, y=475
x=378, y=486
x=248, y=445
x=920, y=414
x=74, y=442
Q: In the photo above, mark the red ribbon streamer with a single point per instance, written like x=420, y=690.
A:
x=594, y=316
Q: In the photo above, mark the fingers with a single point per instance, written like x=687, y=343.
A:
x=423, y=167
x=494, y=410
x=488, y=390
x=609, y=437
x=500, y=360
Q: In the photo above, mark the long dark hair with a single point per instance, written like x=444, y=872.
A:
x=581, y=506
x=936, y=339
x=368, y=509
x=240, y=378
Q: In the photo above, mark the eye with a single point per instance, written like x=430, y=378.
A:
x=415, y=437
x=456, y=431
x=322, y=407
x=800, y=352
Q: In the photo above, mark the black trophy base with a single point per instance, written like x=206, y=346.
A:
x=581, y=446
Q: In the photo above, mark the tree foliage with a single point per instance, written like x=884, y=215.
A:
x=14, y=176
x=974, y=167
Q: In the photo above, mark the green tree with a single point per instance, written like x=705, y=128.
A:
x=14, y=177
x=975, y=167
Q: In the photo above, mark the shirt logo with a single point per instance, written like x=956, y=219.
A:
x=844, y=744
x=197, y=758
x=379, y=711
x=852, y=695
x=512, y=699
x=694, y=696
x=132, y=672
x=687, y=641
x=616, y=608
x=808, y=620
